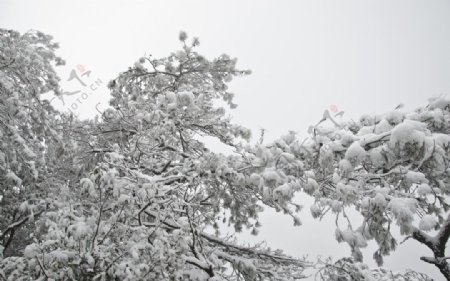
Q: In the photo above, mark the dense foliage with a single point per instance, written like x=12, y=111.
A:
x=28, y=134
x=149, y=192
x=393, y=169
x=135, y=194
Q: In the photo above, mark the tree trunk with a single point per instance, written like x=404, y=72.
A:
x=444, y=269
x=437, y=246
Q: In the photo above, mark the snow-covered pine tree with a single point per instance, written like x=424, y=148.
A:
x=28, y=133
x=393, y=169
x=136, y=195
x=150, y=194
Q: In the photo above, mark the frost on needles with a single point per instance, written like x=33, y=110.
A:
x=134, y=194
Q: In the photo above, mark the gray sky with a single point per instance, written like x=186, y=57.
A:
x=360, y=56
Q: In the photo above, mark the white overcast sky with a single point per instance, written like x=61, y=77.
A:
x=360, y=56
